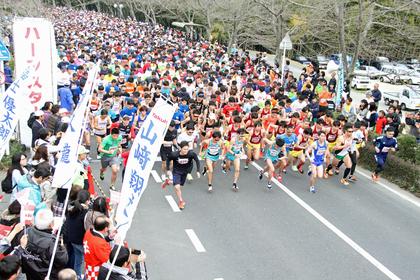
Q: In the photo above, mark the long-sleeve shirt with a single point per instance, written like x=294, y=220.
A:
x=384, y=144
x=183, y=163
x=66, y=98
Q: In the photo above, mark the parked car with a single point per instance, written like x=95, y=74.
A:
x=301, y=59
x=369, y=71
x=360, y=82
x=414, y=77
x=407, y=98
x=394, y=75
x=322, y=61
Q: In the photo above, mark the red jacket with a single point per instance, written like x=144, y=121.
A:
x=97, y=251
x=380, y=124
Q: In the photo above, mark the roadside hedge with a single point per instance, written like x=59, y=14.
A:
x=15, y=147
x=402, y=168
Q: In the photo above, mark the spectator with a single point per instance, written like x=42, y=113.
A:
x=37, y=125
x=33, y=183
x=99, y=208
x=66, y=98
x=11, y=215
x=16, y=170
x=67, y=274
x=123, y=262
x=41, y=241
x=75, y=230
x=376, y=94
x=97, y=247
x=10, y=267
x=349, y=111
x=53, y=119
x=380, y=122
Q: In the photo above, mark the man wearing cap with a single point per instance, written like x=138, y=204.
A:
x=37, y=125
x=80, y=176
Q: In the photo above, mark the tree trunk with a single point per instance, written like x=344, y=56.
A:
x=341, y=35
x=361, y=32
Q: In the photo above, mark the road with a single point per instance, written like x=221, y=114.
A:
x=363, y=231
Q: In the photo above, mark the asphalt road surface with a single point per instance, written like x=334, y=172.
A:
x=363, y=231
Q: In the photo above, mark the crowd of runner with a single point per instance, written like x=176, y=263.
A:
x=232, y=111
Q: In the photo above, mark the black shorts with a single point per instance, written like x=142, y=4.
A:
x=179, y=179
x=165, y=152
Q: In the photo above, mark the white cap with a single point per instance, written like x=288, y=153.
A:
x=39, y=113
x=83, y=150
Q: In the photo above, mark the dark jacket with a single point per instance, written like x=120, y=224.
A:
x=37, y=255
x=36, y=126
x=119, y=273
x=75, y=227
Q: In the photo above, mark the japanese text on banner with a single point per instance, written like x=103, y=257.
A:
x=66, y=164
x=140, y=162
x=11, y=105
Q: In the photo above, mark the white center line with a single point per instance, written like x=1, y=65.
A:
x=334, y=229
x=172, y=203
x=195, y=241
x=218, y=278
x=400, y=194
x=156, y=176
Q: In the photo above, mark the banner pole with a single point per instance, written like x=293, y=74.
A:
x=64, y=207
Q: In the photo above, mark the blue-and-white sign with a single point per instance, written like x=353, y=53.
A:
x=4, y=52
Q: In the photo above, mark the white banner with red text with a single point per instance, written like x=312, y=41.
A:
x=34, y=44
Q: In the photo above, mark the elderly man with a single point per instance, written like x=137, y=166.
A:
x=376, y=94
x=38, y=253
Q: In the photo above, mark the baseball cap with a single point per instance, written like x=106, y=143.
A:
x=39, y=113
x=83, y=150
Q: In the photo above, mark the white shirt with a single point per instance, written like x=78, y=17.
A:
x=189, y=138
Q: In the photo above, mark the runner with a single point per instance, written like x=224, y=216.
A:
x=297, y=153
x=317, y=152
x=383, y=144
x=109, y=149
x=212, y=154
x=234, y=153
x=182, y=165
x=100, y=125
x=169, y=141
x=274, y=151
x=342, y=150
x=254, y=144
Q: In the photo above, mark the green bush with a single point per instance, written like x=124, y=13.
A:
x=15, y=147
x=399, y=171
x=408, y=148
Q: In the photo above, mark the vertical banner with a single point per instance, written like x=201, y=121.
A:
x=67, y=161
x=12, y=103
x=140, y=162
x=34, y=44
x=340, y=82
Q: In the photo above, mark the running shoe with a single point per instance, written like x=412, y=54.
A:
x=284, y=171
x=102, y=176
x=345, y=182
x=112, y=187
x=246, y=166
x=165, y=183
x=181, y=205
x=210, y=188
x=375, y=177
x=224, y=170
x=260, y=175
x=269, y=186
x=163, y=177
x=279, y=178
x=330, y=172
x=310, y=171
x=294, y=168
x=352, y=178
x=204, y=171
x=337, y=171
x=189, y=177
x=235, y=187
x=300, y=169
x=312, y=189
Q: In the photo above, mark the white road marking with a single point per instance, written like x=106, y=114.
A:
x=172, y=203
x=400, y=194
x=195, y=241
x=156, y=176
x=334, y=229
x=218, y=278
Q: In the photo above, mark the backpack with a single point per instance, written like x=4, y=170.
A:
x=6, y=184
x=31, y=120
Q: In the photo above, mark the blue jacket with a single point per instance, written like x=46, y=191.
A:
x=66, y=98
x=35, y=196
